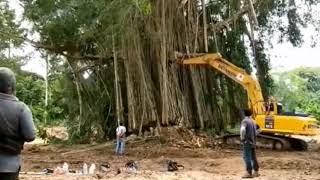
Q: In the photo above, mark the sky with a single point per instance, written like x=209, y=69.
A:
x=283, y=57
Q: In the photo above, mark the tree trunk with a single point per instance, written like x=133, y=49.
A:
x=72, y=65
x=198, y=96
x=164, y=73
x=116, y=82
x=205, y=28
x=47, y=91
x=130, y=96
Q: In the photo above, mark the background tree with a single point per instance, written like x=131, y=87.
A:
x=29, y=87
x=299, y=90
x=9, y=29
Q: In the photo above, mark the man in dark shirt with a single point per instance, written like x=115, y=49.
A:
x=248, y=133
x=16, y=127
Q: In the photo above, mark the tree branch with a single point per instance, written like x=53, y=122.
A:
x=225, y=24
x=57, y=50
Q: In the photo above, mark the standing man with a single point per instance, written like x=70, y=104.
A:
x=248, y=133
x=121, y=134
x=16, y=128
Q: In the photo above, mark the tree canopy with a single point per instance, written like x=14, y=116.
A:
x=299, y=90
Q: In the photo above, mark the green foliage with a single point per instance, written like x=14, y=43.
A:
x=31, y=90
x=294, y=33
x=286, y=17
x=30, y=87
x=299, y=90
x=57, y=103
x=263, y=66
x=9, y=30
x=81, y=25
x=235, y=50
x=144, y=6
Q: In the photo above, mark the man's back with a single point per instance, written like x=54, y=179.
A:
x=16, y=128
x=248, y=130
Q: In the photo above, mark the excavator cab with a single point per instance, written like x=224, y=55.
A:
x=272, y=107
x=279, y=108
x=277, y=121
x=269, y=108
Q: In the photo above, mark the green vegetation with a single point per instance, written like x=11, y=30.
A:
x=31, y=90
x=299, y=90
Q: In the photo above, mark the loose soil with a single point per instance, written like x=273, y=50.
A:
x=151, y=157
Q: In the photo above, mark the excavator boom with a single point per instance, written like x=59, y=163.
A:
x=237, y=74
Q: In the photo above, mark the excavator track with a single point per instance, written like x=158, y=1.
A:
x=270, y=141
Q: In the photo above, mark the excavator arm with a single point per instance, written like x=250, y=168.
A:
x=251, y=85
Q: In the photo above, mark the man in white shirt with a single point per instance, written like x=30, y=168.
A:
x=121, y=134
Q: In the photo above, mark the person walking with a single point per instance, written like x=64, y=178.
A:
x=248, y=133
x=17, y=126
x=121, y=134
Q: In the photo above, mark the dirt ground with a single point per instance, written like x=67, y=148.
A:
x=199, y=163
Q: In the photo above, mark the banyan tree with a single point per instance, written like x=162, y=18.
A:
x=120, y=66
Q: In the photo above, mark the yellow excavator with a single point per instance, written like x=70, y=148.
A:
x=277, y=126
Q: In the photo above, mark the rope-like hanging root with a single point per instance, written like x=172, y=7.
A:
x=252, y=16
